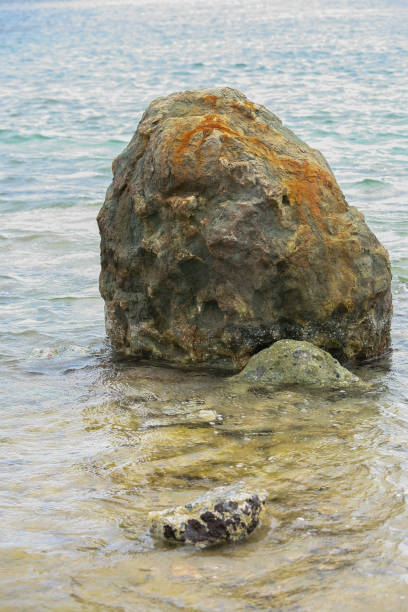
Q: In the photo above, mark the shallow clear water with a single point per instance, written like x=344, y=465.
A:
x=89, y=446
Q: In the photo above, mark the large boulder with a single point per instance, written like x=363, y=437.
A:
x=222, y=232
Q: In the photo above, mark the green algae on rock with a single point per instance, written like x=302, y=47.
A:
x=294, y=362
x=222, y=232
x=224, y=514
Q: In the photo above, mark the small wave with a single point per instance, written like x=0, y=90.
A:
x=371, y=184
x=22, y=235
x=398, y=116
x=326, y=132
x=74, y=298
x=399, y=271
x=50, y=352
x=116, y=141
x=82, y=174
x=52, y=101
x=11, y=137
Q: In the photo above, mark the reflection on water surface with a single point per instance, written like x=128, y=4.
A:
x=139, y=437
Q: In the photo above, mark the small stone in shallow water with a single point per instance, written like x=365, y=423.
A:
x=289, y=362
x=210, y=416
x=184, y=417
x=225, y=514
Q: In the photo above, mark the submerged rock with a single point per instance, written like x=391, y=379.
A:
x=189, y=417
x=294, y=362
x=223, y=232
x=225, y=514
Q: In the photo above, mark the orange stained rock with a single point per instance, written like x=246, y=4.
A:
x=206, y=126
x=211, y=100
x=246, y=106
x=304, y=181
x=305, y=185
x=299, y=252
x=264, y=127
x=259, y=201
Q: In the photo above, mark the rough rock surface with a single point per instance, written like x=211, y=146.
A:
x=290, y=362
x=222, y=232
x=225, y=514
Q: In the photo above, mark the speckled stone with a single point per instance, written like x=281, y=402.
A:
x=295, y=362
x=225, y=514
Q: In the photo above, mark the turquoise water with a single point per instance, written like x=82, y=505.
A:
x=84, y=453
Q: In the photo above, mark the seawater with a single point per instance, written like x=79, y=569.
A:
x=89, y=445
